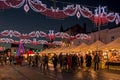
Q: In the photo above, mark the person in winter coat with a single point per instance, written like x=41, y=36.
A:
x=96, y=62
x=55, y=61
x=61, y=60
x=69, y=62
x=88, y=61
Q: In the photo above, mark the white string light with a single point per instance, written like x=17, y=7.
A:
x=69, y=10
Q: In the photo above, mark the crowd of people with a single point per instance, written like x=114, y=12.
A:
x=5, y=59
x=66, y=62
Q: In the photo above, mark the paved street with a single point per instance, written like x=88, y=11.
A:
x=16, y=72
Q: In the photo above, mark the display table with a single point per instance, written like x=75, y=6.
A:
x=108, y=64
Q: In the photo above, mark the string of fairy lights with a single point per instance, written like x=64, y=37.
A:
x=35, y=35
x=100, y=15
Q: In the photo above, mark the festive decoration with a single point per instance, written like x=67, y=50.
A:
x=20, y=50
x=26, y=8
x=99, y=16
x=3, y=5
x=78, y=15
x=29, y=52
x=2, y=48
x=28, y=41
x=117, y=18
x=51, y=35
x=26, y=37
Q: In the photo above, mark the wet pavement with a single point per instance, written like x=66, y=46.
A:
x=16, y=72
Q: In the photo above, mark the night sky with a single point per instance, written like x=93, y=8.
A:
x=17, y=19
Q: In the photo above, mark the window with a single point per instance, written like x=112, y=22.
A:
x=112, y=38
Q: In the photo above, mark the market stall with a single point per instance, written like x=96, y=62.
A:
x=79, y=48
x=111, y=53
x=112, y=50
x=68, y=49
x=94, y=47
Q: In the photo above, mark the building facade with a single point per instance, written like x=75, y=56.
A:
x=106, y=36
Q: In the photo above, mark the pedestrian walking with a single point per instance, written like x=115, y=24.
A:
x=55, y=61
x=10, y=59
x=45, y=61
x=69, y=62
x=61, y=60
x=80, y=61
x=88, y=61
x=96, y=62
x=29, y=59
